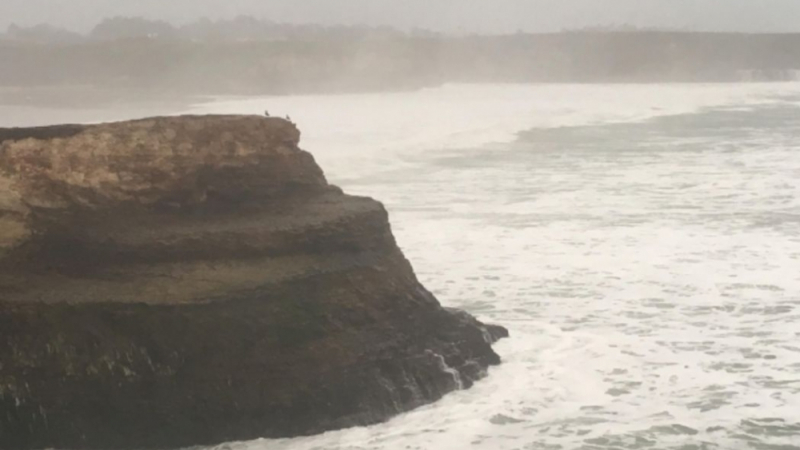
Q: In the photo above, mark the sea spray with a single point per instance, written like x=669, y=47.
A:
x=447, y=369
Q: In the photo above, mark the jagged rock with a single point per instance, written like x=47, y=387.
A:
x=193, y=280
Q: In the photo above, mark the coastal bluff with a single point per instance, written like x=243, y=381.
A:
x=192, y=280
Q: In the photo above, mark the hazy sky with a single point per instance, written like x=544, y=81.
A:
x=444, y=15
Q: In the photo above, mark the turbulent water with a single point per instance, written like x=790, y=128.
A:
x=642, y=243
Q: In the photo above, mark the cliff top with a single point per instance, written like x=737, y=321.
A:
x=170, y=209
x=177, y=161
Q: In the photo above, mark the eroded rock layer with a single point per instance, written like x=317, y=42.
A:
x=193, y=280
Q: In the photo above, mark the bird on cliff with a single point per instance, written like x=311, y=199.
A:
x=266, y=113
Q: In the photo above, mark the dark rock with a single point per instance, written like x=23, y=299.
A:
x=194, y=280
x=51, y=132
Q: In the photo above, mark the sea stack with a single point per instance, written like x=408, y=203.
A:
x=184, y=281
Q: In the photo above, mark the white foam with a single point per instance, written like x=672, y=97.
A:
x=634, y=275
x=358, y=134
x=454, y=374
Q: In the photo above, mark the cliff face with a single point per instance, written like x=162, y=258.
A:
x=194, y=280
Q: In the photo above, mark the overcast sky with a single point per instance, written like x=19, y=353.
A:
x=487, y=16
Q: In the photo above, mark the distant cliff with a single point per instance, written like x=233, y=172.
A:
x=185, y=281
x=337, y=62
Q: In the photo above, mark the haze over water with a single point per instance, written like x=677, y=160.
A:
x=642, y=243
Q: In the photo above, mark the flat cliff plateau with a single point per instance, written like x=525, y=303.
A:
x=182, y=281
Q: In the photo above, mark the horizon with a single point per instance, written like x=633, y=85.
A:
x=601, y=28
x=443, y=16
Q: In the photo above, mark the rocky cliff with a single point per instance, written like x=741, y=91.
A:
x=194, y=280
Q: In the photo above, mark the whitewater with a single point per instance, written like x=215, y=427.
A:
x=641, y=242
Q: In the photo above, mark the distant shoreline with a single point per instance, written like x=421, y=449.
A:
x=24, y=107
x=40, y=105
x=90, y=97
x=172, y=70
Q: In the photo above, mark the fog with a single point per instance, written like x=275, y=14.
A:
x=483, y=16
x=611, y=186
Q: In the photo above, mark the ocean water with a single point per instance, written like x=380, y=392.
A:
x=642, y=244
